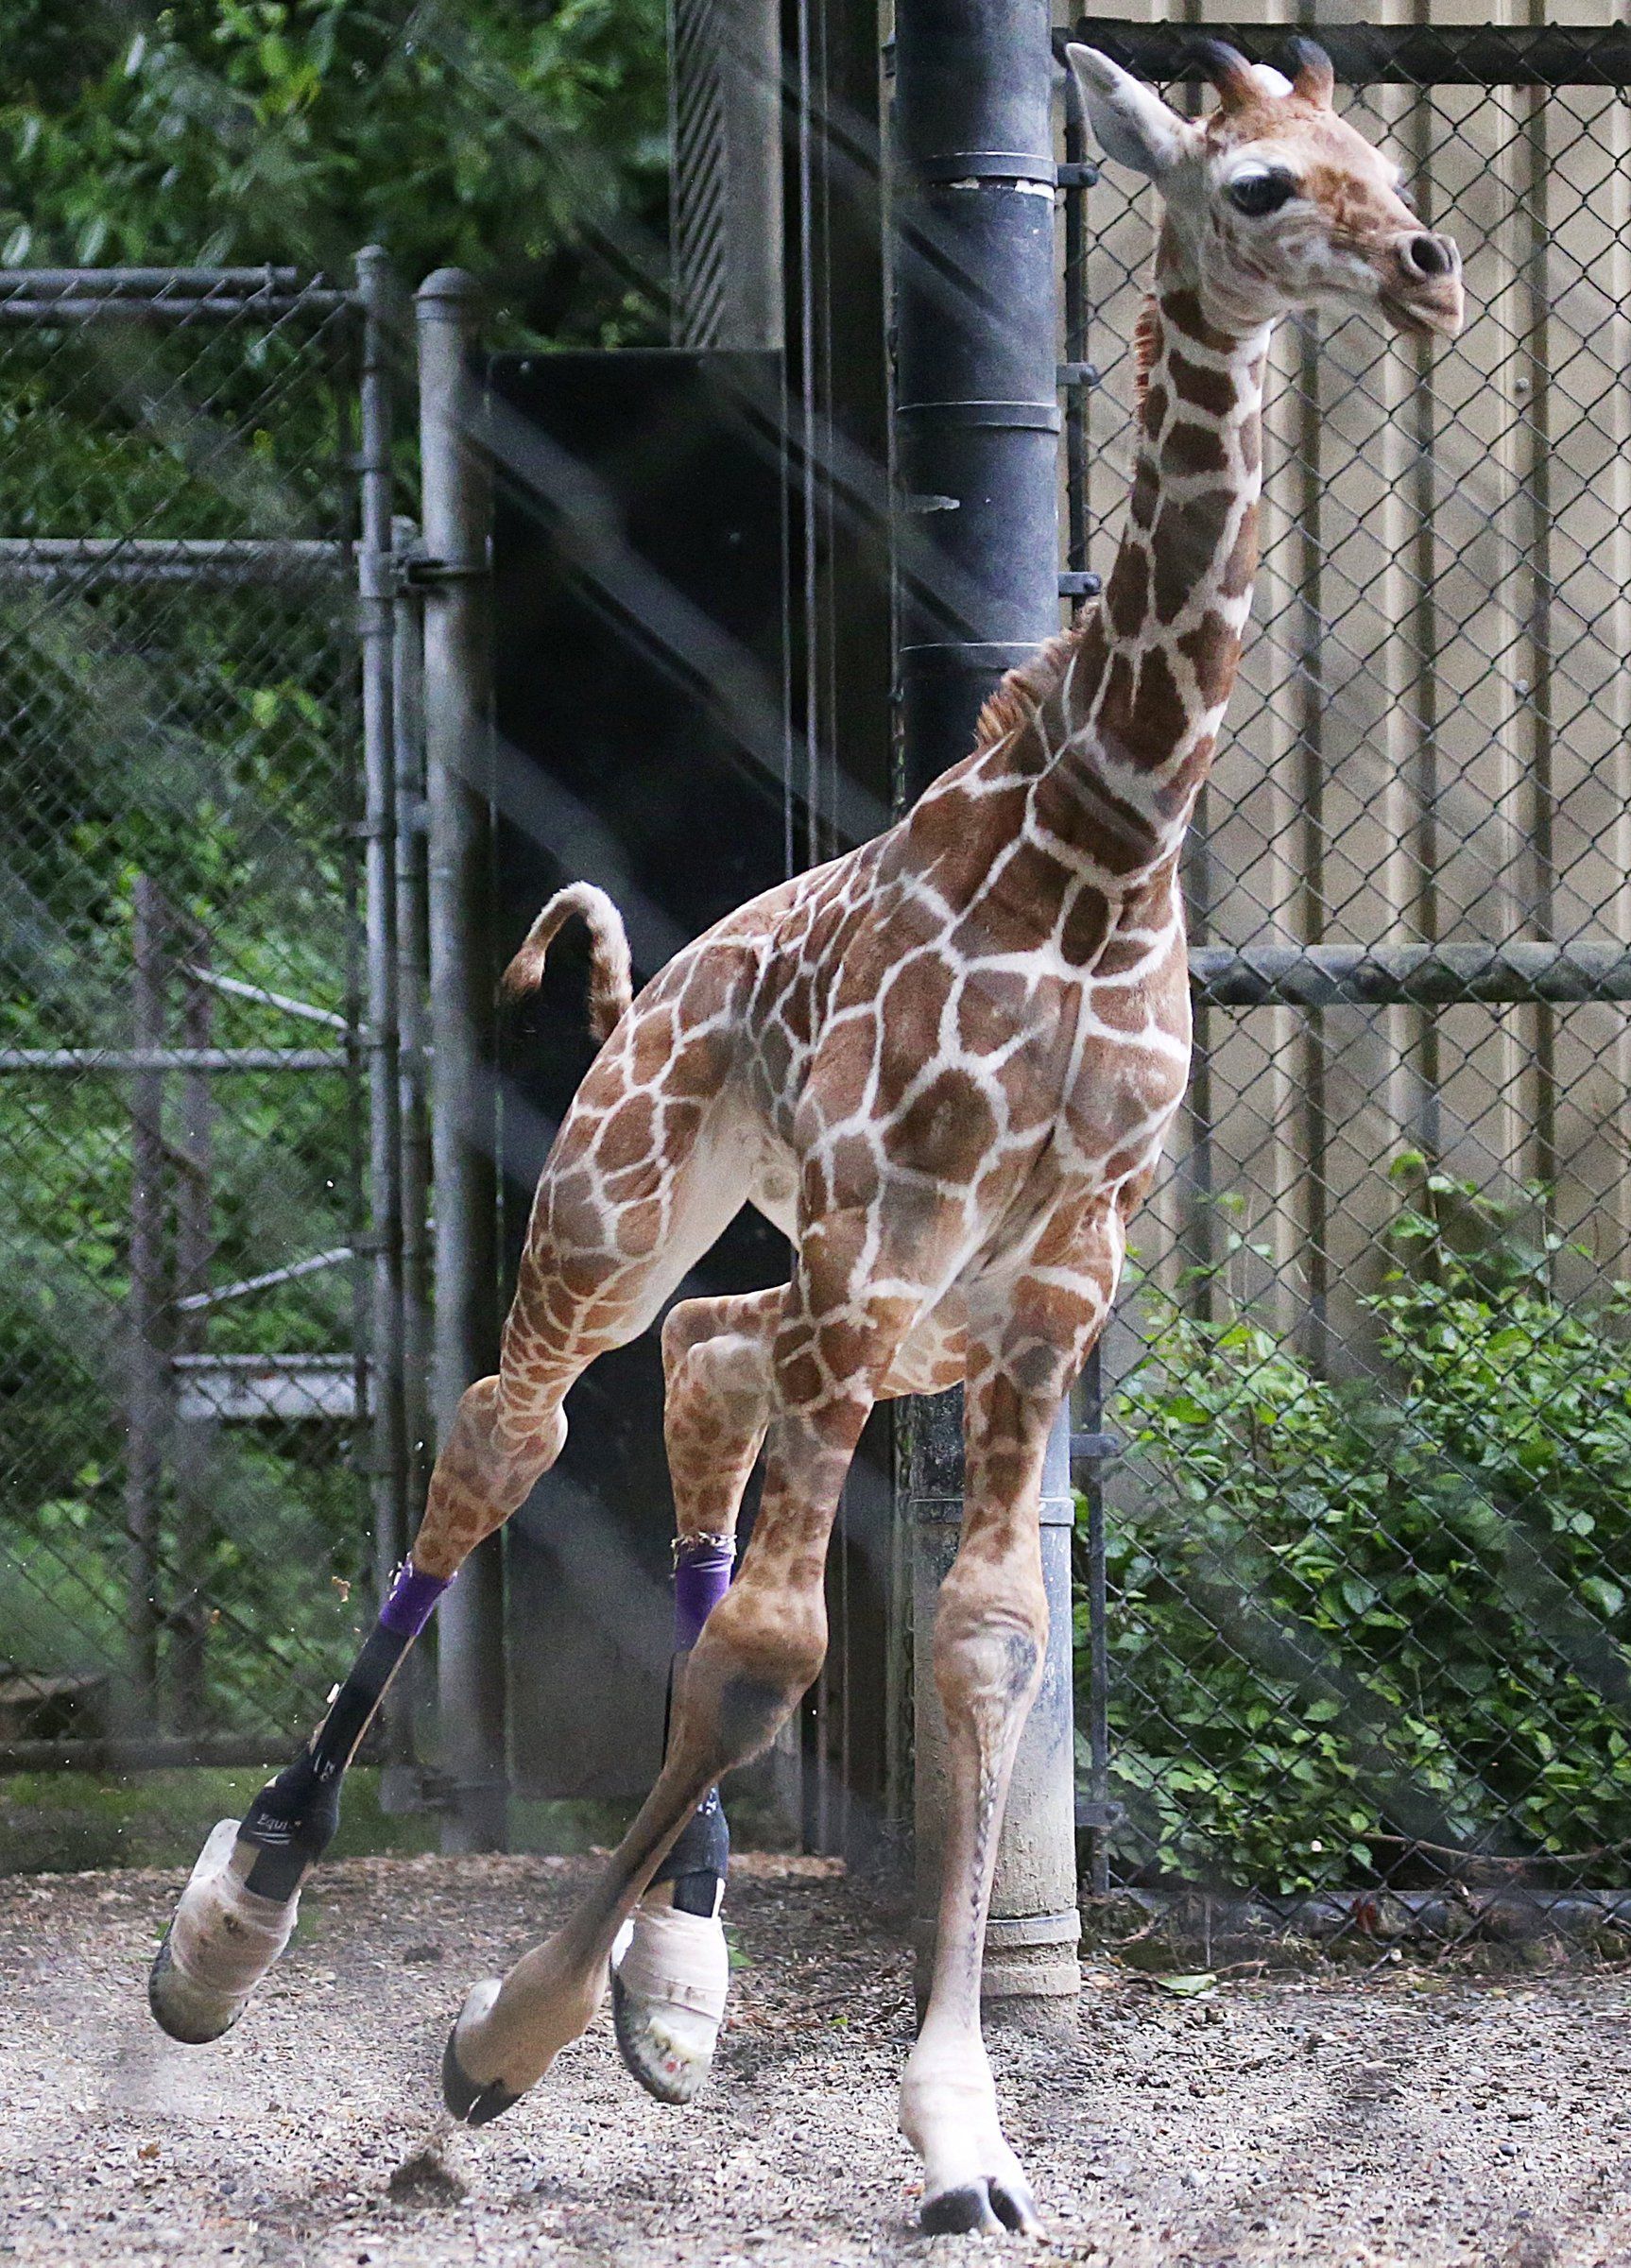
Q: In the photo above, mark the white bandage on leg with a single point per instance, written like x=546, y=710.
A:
x=221, y=1943
x=671, y=1977
x=676, y=1960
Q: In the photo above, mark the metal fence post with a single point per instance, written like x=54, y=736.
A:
x=377, y=634
x=147, y=1413
x=189, y=1619
x=413, y=1119
x=976, y=425
x=455, y=513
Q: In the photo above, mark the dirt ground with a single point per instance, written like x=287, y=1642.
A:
x=1352, y=2120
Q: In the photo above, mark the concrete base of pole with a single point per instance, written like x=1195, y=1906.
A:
x=1032, y=1956
x=1031, y=1966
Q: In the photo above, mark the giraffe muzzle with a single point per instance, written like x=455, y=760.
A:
x=1422, y=292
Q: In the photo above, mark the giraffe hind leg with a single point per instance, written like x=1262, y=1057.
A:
x=596, y=1271
x=761, y=1647
x=670, y=1964
x=241, y=1903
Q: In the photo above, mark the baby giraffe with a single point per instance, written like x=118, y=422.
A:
x=945, y=1065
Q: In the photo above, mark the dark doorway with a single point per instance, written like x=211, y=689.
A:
x=642, y=694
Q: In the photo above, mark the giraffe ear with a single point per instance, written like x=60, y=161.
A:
x=1132, y=123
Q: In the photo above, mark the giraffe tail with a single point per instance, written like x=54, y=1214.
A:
x=611, y=988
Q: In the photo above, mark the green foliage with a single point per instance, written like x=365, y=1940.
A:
x=504, y=138
x=208, y=739
x=1398, y=1607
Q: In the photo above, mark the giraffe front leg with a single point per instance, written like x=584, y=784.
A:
x=670, y=1964
x=241, y=1902
x=990, y=1641
x=762, y=1645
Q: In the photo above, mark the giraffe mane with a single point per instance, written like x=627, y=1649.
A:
x=1147, y=344
x=1023, y=691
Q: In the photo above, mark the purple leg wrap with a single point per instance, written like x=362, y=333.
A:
x=407, y=1609
x=699, y=1861
x=701, y=1579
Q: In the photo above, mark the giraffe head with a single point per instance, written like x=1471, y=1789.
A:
x=1273, y=202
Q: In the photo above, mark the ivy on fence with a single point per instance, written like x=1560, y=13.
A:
x=1353, y=1617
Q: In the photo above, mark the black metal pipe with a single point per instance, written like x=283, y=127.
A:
x=976, y=406
x=976, y=533
x=1378, y=54
x=1380, y=976
x=455, y=516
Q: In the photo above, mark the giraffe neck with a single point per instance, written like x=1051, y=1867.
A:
x=1142, y=705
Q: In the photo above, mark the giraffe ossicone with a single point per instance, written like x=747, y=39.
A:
x=945, y=1064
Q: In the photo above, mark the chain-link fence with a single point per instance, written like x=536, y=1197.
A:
x=182, y=1091
x=1355, y=1622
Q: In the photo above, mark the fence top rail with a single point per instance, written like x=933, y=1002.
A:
x=220, y=560
x=1313, y=976
x=85, y=282
x=45, y=295
x=1461, y=55
x=211, y=1059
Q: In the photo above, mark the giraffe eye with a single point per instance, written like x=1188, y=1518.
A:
x=1256, y=193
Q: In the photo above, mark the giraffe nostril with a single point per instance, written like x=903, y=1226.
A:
x=1428, y=256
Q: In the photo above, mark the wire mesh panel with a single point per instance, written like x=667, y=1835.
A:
x=179, y=1111
x=1369, y=1618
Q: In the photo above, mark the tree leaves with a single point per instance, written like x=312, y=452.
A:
x=1343, y=1610
x=237, y=131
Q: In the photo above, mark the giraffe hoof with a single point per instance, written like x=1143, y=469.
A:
x=981, y=2208
x=472, y=2102
x=670, y=1979
x=670, y=2050
x=220, y=1943
x=180, y=2010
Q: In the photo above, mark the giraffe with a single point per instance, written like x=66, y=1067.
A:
x=945, y=1064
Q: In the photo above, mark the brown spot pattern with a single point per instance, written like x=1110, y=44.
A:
x=1127, y=595
x=1188, y=534
x=1202, y=385
x=1194, y=449
x=1213, y=651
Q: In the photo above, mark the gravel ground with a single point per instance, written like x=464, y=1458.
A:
x=1411, y=2117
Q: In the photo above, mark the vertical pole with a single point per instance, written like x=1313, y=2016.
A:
x=1091, y=1393
x=1541, y=884
x=458, y=786
x=195, y=1248
x=407, y=694
x=146, y=1353
x=976, y=422
x=1409, y=611
x=377, y=633
x=1311, y=703
x=1090, y=1400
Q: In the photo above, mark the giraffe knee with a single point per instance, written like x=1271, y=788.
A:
x=684, y=1327
x=494, y=1455
x=755, y=1660
x=989, y=1654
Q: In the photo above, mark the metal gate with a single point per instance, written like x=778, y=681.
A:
x=1356, y=1634
x=195, y=875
